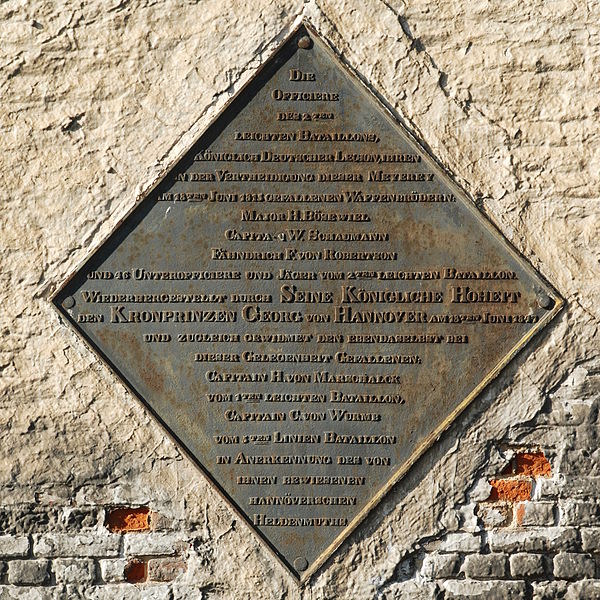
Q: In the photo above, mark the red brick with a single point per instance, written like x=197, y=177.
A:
x=136, y=571
x=128, y=519
x=510, y=490
x=534, y=464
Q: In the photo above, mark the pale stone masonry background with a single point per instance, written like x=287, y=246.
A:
x=96, y=99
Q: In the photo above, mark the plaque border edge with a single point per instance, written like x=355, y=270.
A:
x=380, y=102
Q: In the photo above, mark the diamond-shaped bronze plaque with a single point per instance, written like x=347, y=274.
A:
x=305, y=301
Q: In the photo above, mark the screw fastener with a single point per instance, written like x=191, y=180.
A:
x=544, y=300
x=300, y=564
x=69, y=302
x=304, y=42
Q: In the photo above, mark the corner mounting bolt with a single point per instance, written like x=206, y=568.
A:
x=69, y=302
x=545, y=301
x=304, y=42
x=300, y=563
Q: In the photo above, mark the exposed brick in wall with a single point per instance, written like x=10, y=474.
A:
x=136, y=571
x=529, y=464
x=530, y=544
x=123, y=551
x=95, y=98
x=509, y=490
x=534, y=542
x=527, y=552
x=128, y=519
x=510, y=499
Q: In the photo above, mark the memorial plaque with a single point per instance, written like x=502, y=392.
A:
x=305, y=301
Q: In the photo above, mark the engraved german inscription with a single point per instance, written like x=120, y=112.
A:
x=305, y=301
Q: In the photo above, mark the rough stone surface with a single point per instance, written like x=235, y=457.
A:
x=89, y=544
x=535, y=514
x=440, y=566
x=27, y=572
x=74, y=571
x=165, y=569
x=495, y=515
x=9, y=592
x=545, y=539
x=550, y=590
x=131, y=592
x=113, y=569
x=590, y=590
x=11, y=547
x=484, y=590
x=573, y=566
x=460, y=542
x=591, y=539
x=580, y=513
x=97, y=98
x=485, y=566
x=530, y=566
x=152, y=543
x=410, y=590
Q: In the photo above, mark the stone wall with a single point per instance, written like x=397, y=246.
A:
x=97, y=99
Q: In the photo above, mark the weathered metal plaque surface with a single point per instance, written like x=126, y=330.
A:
x=305, y=301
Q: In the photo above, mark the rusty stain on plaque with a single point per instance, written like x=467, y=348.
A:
x=305, y=301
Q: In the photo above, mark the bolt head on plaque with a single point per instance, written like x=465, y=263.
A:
x=300, y=563
x=545, y=300
x=69, y=302
x=305, y=300
x=304, y=42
